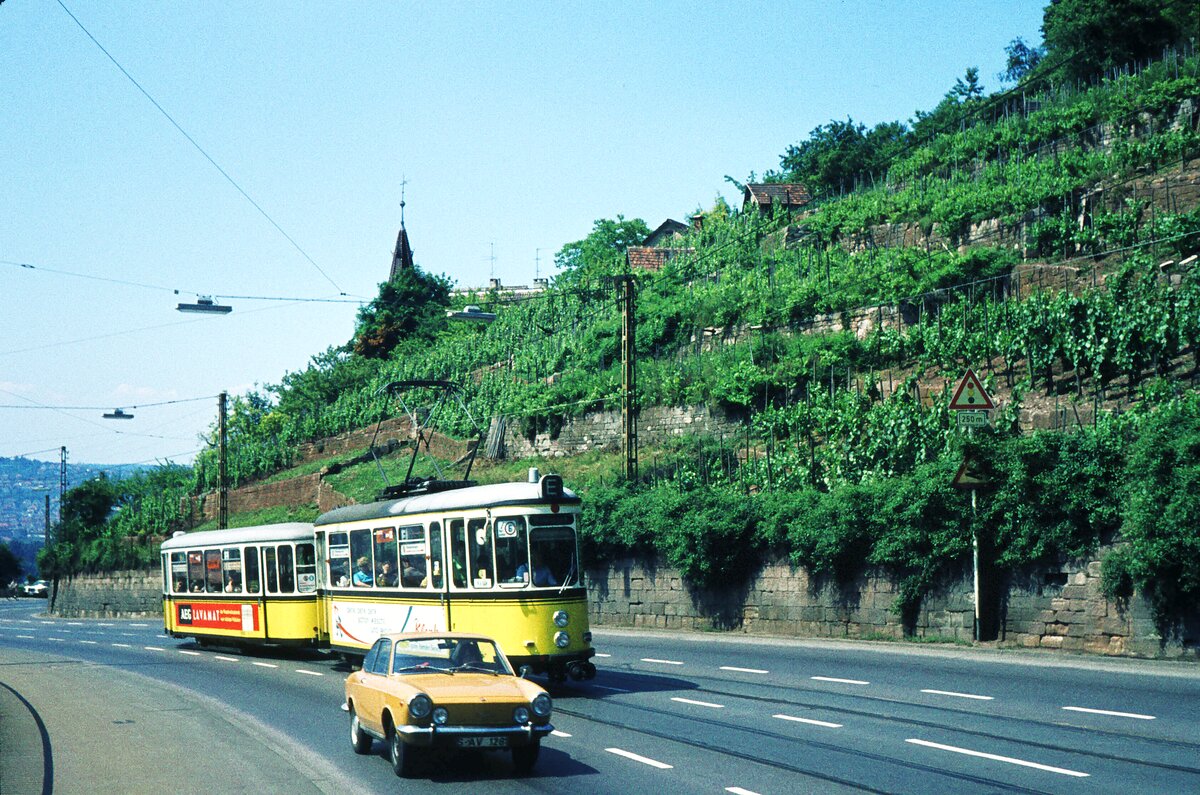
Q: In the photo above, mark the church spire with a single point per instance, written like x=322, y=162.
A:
x=402, y=257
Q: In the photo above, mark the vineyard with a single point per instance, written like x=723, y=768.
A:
x=1043, y=263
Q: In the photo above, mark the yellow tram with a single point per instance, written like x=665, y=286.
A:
x=501, y=560
x=242, y=586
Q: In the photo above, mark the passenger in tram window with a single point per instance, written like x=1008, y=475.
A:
x=387, y=577
x=362, y=576
x=414, y=572
x=181, y=586
x=233, y=584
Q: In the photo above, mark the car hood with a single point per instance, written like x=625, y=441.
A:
x=471, y=687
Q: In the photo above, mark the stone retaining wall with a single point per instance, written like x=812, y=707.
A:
x=121, y=594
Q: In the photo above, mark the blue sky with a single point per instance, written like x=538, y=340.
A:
x=513, y=126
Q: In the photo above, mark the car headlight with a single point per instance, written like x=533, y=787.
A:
x=541, y=705
x=420, y=706
x=561, y=619
x=562, y=640
x=521, y=715
x=440, y=716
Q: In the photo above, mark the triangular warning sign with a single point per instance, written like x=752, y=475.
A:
x=970, y=394
x=969, y=476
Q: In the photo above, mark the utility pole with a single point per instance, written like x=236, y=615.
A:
x=222, y=480
x=62, y=474
x=628, y=376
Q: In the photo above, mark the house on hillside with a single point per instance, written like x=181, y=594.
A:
x=652, y=258
x=668, y=230
x=763, y=196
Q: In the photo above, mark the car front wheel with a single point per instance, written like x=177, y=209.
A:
x=525, y=757
x=358, y=738
x=401, y=755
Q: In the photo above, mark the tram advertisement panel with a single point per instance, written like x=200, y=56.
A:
x=218, y=615
x=362, y=622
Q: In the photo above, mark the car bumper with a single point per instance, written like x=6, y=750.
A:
x=464, y=736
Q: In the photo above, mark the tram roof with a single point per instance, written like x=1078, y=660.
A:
x=258, y=534
x=490, y=496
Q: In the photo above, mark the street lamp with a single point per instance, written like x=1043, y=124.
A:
x=206, y=306
x=117, y=414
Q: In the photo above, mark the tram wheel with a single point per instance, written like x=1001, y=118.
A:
x=557, y=674
x=358, y=738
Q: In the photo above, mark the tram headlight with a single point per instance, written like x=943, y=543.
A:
x=541, y=705
x=440, y=716
x=562, y=640
x=420, y=706
x=521, y=715
x=561, y=619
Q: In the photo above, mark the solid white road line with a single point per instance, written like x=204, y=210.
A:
x=839, y=681
x=698, y=703
x=661, y=662
x=744, y=670
x=996, y=758
x=826, y=724
x=958, y=695
x=644, y=760
x=1133, y=715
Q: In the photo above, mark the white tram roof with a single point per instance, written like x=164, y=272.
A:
x=464, y=499
x=259, y=534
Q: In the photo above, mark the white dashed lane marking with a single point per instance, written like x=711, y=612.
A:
x=1110, y=713
x=839, y=681
x=698, y=703
x=997, y=758
x=661, y=662
x=744, y=670
x=958, y=695
x=636, y=758
x=809, y=721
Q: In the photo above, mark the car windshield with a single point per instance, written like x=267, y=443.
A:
x=448, y=655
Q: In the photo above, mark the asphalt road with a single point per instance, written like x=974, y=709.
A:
x=113, y=706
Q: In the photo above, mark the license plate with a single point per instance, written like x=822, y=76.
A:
x=482, y=742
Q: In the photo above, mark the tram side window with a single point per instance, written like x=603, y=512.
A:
x=435, y=554
x=287, y=575
x=179, y=572
x=360, y=553
x=552, y=551
x=412, y=556
x=458, y=552
x=339, y=560
x=253, y=584
x=195, y=564
x=272, y=574
x=479, y=541
x=386, y=574
x=212, y=566
x=512, y=565
x=231, y=569
x=306, y=568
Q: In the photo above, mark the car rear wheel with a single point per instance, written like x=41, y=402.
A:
x=358, y=738
x=525, y=757
x=401, y=755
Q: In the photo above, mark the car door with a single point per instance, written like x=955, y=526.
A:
x=370, y=683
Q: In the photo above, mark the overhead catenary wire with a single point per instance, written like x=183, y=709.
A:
x=201, y=150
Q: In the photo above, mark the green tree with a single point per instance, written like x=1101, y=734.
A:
x=840, y=152
x=1083, y=38
x=10, y=567
x=602, y=252
x=1022, y=60
x=409, y=306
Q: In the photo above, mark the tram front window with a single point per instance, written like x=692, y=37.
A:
x=552, y=553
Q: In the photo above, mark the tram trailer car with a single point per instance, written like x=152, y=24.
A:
x=244, y=586
x=500, y=560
